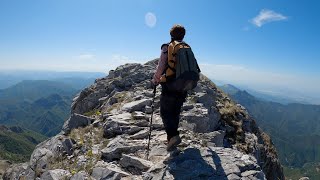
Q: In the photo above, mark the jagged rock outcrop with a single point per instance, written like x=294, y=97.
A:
x=4, y=164
x=106, y=136
x=75, y=121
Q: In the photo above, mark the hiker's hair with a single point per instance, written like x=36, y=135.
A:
x=177, y=32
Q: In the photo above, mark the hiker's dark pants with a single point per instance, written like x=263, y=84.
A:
x=170, y=107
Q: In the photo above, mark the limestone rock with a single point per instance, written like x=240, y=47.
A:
x=112, y=129
x=233, y=177
x=19, y=171
x=46, y=152
x=123, y=117
x=137, y=115
x=135, y=162
x=117, y=147
x=4, y=165
x=56, y=174
x=252, y=174
x=68, y=145
x=148, y=110
x=107, y=173
x=215, y=137
x=82, y=175
x=201, y=118
x=136, y=105
x=140, y=135
x=75, y=121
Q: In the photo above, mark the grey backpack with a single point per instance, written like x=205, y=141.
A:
x=183, y=64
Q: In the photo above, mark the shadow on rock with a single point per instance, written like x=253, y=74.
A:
x=190, y=164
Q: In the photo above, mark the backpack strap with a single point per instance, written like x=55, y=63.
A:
x=166, y=44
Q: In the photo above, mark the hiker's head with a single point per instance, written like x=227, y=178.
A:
x=177, y=32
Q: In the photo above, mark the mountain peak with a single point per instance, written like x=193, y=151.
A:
x=107, y=134
x=230, y=89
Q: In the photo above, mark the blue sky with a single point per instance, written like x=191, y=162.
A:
x=265, y=43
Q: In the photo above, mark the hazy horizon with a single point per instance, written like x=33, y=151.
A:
x=285, y=92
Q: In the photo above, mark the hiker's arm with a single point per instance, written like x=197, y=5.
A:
x=161, y=65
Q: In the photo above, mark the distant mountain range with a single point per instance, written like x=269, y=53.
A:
x=11, y=77
x=40, y=107
x=16, y=143
x=294, y=128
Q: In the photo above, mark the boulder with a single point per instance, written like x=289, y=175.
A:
x=132, y=129
x=68, y=145
x=206, y=99
x=40, y=159
x=215, y=137
x=82, y=175
x=137, y=115
x=200, y=119
x=142, y=123
x=3, y=166
x=148, y=110
x=111, y=129
x=107, y=173
x=253, y=174
x=117, y=147
x=233, y=177
x=19, y=171
x=75, y=121
x=46, y=152
x=136, y=105
x=123, y=117
x=83, y=101
x=140, y=135
x=56, y=174
x=135, y=162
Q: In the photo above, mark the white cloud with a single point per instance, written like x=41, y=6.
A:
x=86, y=56
x=150, y=19
x=266, y=16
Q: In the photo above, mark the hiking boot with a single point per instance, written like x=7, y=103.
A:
x=174, y=141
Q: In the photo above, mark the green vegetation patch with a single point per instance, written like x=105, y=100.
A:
x=18, y=147
x=86, y=138
x=93, y=112
x=310, y=170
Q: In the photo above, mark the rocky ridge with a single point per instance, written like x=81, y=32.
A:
x=107, y=133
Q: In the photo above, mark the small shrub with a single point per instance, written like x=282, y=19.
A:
x=89, y=153
x=93, y=112
x=73, y=172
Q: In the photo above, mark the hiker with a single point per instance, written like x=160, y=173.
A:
x=171, y=100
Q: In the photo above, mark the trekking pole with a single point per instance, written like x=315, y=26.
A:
x=152, y=107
